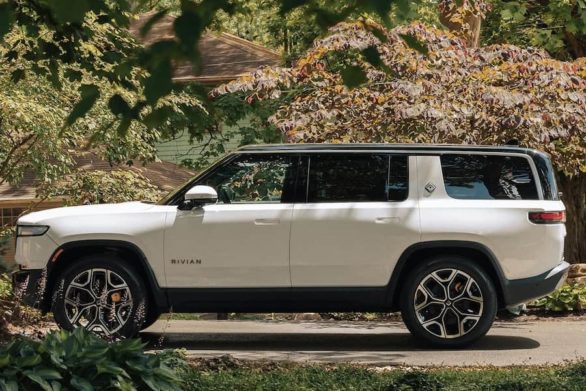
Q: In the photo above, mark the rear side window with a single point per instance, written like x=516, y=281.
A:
x=488, y=177
x=357, y=178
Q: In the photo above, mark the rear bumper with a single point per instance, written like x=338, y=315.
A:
x=29, y=286
x=527, y=289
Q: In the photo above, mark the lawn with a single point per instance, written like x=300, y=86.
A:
x=228, y=374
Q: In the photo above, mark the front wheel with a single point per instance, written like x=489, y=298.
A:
x=448, y=302
x=102, y=294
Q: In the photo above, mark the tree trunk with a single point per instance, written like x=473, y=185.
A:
x=462, y=20
x=574, y=197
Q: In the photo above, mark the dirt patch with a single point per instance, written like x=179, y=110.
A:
x=18, y=320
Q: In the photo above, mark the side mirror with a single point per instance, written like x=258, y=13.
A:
x=198, y=196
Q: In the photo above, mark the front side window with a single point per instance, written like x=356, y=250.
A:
x=488, y=177
x=357, y=178
x=252, y=178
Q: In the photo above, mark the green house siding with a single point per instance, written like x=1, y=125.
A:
x=179, y=149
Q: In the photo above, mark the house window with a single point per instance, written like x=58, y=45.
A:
x=8, y=216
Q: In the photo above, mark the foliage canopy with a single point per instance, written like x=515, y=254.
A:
x=454, y=94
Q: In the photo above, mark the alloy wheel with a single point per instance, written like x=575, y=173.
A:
x=448, y=303
x=99, y=300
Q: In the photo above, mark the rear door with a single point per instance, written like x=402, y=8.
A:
x=358, y=214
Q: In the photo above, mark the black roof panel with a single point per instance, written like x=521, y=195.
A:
x=385, y=147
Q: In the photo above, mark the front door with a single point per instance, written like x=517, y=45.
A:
x=359, y=216
x=243, y=240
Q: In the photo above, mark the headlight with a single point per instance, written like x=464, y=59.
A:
x=31, y=230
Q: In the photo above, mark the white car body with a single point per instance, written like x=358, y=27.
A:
x=309, y=247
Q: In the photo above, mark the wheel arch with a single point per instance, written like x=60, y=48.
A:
x=65, y=254
x=416, y=254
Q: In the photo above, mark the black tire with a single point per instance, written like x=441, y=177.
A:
x=455, y=322
x=108, y=308
x=151, y=317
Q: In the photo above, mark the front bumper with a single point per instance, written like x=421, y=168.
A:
x=526, y=289
x=28, y=286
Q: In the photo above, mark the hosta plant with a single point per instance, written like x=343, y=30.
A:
x=80, y=360
x=570, y=297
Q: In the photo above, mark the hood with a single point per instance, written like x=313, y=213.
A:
x=45, y=216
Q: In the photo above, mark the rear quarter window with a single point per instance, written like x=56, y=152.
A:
x=488, y=177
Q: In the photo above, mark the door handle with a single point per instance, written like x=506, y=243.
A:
x=387, y=220
x=266, y=221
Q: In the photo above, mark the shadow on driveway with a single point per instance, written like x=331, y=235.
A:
x=382, y=342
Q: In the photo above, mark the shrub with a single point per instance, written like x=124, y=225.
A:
x=567, y=298
x=80, y=360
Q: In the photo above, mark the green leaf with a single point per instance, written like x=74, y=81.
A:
x=144, y=30
x=54, y=75
x=17, y=75
x=67, y=11
x=188, y=28
x=122, y=128
x=48, y=373
x=6, y=18
x=81, y=384
x=415, y=44
x=382, y=8
x=157, y=117
x=353, y=76
x=72, y=75
x=89, y=95
x=118, y=106
x=28, y=361
x=159, y=83
x=4, y=359
x=372, y=55
x=39, y=380
x=289, y=5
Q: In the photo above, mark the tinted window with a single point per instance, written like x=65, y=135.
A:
x=482, y=177
x=356, y=178
x=546, y=177
x=252, y=178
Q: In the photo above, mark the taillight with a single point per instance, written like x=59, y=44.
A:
x=547, y=217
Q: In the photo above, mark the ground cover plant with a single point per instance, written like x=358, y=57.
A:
x=570, y=297
x=226, y=373
x=82, y=361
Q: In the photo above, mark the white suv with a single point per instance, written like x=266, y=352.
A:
x=446, y=234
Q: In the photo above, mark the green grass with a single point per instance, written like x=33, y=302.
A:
x=316, y=377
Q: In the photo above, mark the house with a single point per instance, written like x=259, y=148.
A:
x=224, y=57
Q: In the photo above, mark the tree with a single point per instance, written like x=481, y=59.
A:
x=559, y=26
x=59, y=33
x=464, y=18
x=450, y=93
x=40, y=130
x=99, y=187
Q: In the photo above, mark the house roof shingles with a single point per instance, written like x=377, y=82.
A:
x=224, y=56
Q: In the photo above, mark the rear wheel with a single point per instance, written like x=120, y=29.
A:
x=102, y=294
x=448, y=301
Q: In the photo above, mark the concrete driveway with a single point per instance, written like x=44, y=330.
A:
x=375, y=343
